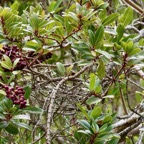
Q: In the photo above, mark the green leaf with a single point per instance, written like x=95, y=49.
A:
x=22, y=116
x=134, y=51
x=3, y=124
x=120, y=31
x=96, y=112
x=27, y=92
x=51, y=7
x=83, y=110
x=98, y=89
x=106, y=54
x=108, y=44
x=69, y=69
x=91, y=37
x=16, y=62
x=2, y=92
x=23, y=125
x=87, y=132
x=80, y=137
x=99, y=34
x=15, y=6
x=4, y=65
x=84, y=50
x=34, y=110
x=101, y=70
x=58, y=3
x=95, y=126
x=60, y=68
x=103, y=128
x=12, y=129
x=111, y=18
x=34, y=21
x=114, y=140
x=12, y=77
x=2, y=116
x=92, y=81
x=103, y=14
x=84, y=123
x=109, y=128
x=7, y=61
x=127, y=17
x=109, y=96
x=103, y=6
x=93, y=100
x=3, y=76
x=32, y=45
x=107, y=119
x=99, y=141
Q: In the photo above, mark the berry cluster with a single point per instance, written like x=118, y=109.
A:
x=13, y=53
x=16, y=95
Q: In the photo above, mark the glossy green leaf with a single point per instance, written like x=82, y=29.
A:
x=96, y=112
x=34, y=110
x=99, y=34
x=108, y=44
x=8, y=60
x=93, y=100
x=27, y=92
x=127, y=17
x=101, y=70
x=23, y=125
x=120, y=31
x=111, y=18
x=32, y=45
x=22, y=116
x=109, y=96
x=95, y=126
x=60, y=68
x=3, y=124
x=12, y=129
x=106, y=54
x=92, y=81
x=84, y=50
x=4, y=65
x=83, y=110
x=103, y=6
x=114, y=140
x=7, y=63
x=91, y=37
x=107, y=119
x=15, y=6
x=87, y=132
x=2, y=116
x=2, y=92
x=134, y=51
x=103, y=128
x=69, y=69
x=16, y=62
x=98, y=89
x=12, y=77
x=84, y=123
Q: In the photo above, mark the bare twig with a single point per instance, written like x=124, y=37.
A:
x=134, y=6
x=52, y=99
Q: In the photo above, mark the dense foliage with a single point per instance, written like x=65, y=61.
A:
x=71, y=72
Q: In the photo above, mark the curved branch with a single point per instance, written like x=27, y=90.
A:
x=52, y=99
